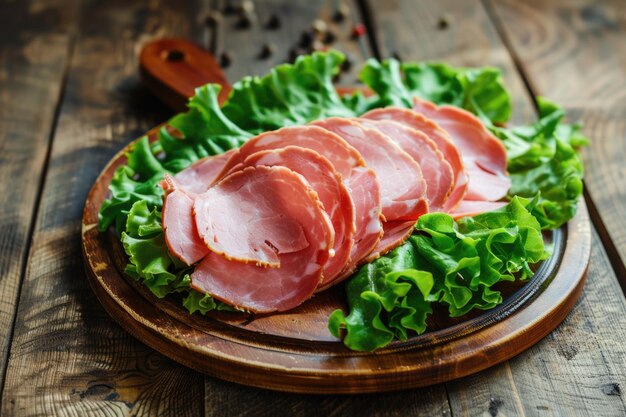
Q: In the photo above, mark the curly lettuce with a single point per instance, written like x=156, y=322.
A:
x=452, y=263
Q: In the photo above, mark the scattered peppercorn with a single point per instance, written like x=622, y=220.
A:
x=444, y=21
x=244, y=21
x=225, y=59
x=229, y=9
x=346, y=65
x=341, y=13
x=267, y=51
x=319, y=26
x=358, y=31
x=246, y=7
x=329, y=37
x=213, y=18
x=273, y=22
x=318, y=45
x=306, y=39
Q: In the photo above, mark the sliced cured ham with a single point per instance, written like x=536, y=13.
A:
x=256, y=288
x=201, y=174
x=181, y=236
x=364, y=189
x=437, y=171
x=402, y=186
x=343, y=156
x=251, y=215
x=331, y=191
x=483, y=154
x=394, y=234
x=437, y=135
x=473, y=208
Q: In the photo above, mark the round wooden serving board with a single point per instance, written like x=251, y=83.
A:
x=295, y=352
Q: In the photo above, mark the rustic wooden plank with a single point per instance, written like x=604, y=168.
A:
x=574, y=52
x=33, y=60
x=552, y=376
x=236, y=400
x=224, y=398
x=68, y=358
x=245, y=45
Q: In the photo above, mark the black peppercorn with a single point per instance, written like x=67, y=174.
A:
x=225, y=59
x=266, y=51
x=273, y=22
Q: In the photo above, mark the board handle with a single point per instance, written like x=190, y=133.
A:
x=173, y=68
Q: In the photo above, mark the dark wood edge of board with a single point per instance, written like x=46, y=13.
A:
x=222, y=353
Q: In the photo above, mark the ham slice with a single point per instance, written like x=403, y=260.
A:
x=181, y=236
x=347, y=161
x=483, y=154
x=442, y=140
x=201, y=174
x=365, y=192
x=248, y=216
x=331, y=191
x=402, y=186
x=473, y=208
x=436, y=170
x=343, y=156
x=264, y=194
x=394, y=234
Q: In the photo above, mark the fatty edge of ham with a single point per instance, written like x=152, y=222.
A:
x=181, y=236
x=263, y=290
x=438, y=135
x=201, y=174
x=364, y=189
x=402, y=186
x=332, y=193
x=343, y=156
x=483, y=154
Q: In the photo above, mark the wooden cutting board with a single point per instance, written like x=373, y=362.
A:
x=294, y=351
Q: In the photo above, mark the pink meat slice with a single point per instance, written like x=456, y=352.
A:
x=343, y=156
x=483, y=154
x=473, y=208
x=250, y=219
x=201, y=174
x=364, y=189
x=181, y=236
x=440, y=137
x=437, y=171
x=394, y=234
x=254, y=288
x=402, y=185
x=332, y=193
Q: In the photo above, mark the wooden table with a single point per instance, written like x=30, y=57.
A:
x=70, y=98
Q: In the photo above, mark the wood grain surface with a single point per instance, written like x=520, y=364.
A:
x=69, y=359
x=33, y=61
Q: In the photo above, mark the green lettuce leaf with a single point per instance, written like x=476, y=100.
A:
x=151, y=263
x=544, y=163
x=479, y=90
x=291, y=94
x=454, y=263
